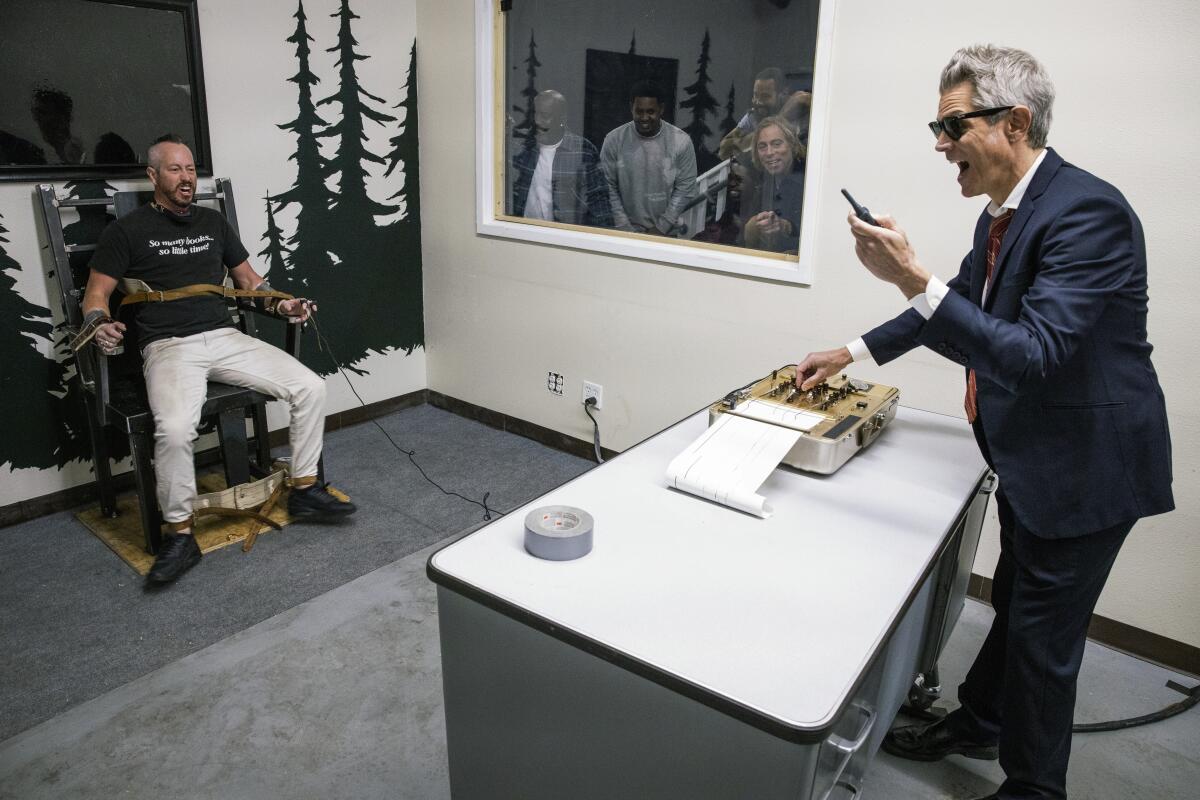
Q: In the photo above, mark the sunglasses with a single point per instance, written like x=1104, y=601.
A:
x=952, y=125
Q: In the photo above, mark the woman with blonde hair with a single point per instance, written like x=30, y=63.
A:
x=772, y=207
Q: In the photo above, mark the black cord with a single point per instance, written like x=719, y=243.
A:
x=1193, y=697
x=587, y=409
x=324, y=342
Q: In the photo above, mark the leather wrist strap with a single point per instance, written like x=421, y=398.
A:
x=95, y=318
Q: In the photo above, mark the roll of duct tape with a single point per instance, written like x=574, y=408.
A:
x=558, y=533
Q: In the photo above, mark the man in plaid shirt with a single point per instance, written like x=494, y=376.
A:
x=557, y=176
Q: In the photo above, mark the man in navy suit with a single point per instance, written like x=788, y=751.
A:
x=1048, y=317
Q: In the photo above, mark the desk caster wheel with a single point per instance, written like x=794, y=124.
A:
x=924, y=692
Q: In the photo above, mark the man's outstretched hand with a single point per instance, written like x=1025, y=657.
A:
x=298, y=309
x=817, y=367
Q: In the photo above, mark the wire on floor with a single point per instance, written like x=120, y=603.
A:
x=1191, y=698
x=324, y=344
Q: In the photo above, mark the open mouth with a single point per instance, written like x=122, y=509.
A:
x=963, y=166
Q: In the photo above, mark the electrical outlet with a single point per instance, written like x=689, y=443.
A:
x=555, y=382
x=593, y=390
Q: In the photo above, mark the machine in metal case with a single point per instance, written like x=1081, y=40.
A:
x=836, y=419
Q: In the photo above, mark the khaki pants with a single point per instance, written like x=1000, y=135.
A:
x=177, y=372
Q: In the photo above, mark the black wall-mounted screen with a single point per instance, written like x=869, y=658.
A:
x=87, y=85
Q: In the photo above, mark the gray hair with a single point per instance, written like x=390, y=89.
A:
x=1004, y=76
x=154, y=154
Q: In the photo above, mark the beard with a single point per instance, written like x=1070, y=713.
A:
x=180, y=198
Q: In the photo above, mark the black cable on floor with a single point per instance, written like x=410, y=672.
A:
x=324, y=342
x=587, y=409
x=1191, y=699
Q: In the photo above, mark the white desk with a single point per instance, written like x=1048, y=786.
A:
x=698, y=651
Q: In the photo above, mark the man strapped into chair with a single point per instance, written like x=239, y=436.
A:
x=170, y=258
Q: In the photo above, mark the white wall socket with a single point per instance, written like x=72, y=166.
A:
x=594, y=390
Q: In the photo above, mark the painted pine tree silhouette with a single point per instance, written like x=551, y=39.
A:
x=410, y=319
x=353, y=318
x=27, y=377
x=309, y=243
x=730, y=122
x=353, y=210
x=702, y=103
x=404, y=144
x=339, y=255
x=275, y=253
x=282, y=275
x=526, y=129
x=633, y=43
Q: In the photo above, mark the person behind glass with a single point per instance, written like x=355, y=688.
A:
x=770, y=98
x=52, y=110
x=772, y=208
x=650, y=166
x=558, y=174
x=1048, y=317
x=169, y=244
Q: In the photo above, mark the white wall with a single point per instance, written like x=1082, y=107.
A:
x=247, y=62
x=664, y=341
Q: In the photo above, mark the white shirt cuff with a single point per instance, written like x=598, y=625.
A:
x=927, y=303
x=858, y=350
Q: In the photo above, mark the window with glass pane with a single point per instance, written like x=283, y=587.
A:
x=679, y=120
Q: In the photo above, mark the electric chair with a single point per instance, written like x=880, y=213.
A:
x=112, y=386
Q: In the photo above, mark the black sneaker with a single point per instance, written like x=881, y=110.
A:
x=317, y=502
x=179, y=554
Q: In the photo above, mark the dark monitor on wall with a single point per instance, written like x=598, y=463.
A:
x=87, y=85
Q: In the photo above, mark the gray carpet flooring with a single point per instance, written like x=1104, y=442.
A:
x=75, y=621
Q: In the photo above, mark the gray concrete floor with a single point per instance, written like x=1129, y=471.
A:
x=340, y=697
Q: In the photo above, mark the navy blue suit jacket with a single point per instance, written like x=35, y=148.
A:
x=1071, y=415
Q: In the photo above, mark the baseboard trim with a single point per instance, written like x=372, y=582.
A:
x=1152, y=647
x=551, y=438
x=74, y=496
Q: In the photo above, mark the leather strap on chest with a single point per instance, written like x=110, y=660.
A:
x=138, y=292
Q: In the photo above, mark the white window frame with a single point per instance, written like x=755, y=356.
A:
x=491, y=220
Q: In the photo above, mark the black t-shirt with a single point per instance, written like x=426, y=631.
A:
x=169, y=251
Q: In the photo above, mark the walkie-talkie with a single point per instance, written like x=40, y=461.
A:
x=861, y=211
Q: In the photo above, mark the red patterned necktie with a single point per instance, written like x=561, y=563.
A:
x=995, y=235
